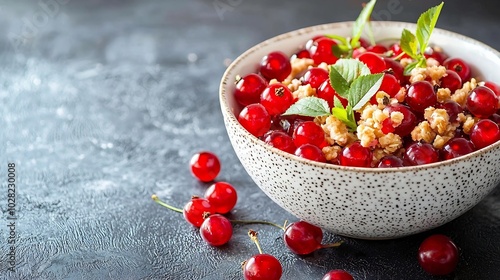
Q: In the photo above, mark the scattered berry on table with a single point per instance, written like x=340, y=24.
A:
x=438, y=255
x=205, y=166
x=222, y=197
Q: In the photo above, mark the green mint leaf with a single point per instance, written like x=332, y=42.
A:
x=362, y=19
x=337, y=103
x=425, y=25
x=344, y=72
x=345, y=115
x=422, y=62
x=409, y=43
x=363, y=88
x=309, y=107
x=338, y=82
x=410, y=67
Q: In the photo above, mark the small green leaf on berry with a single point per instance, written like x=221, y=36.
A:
x=309, y=107
x=409, y=43
x=363, y=88
x=360, y=22
x=425, y=25
x=344, y=72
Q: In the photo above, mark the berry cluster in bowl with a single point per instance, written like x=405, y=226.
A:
x=433, y=112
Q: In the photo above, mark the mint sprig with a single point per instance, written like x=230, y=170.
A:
x=310, y=107
x=415, y=45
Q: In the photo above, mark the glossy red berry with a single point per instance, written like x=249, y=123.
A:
x=438, y=255
x=451, y=80
x=390, y=85
x=308, y=132
x=255, y=119
x=452, y=108
x=439, y=56
x=482, y=102
x=409, y=119
x=326, y=92
x=397, y=50
x=280, y=140
x=195, y=210
x=374, y=62
x=321, y=51
x=456, y=147
x=249, y=88
x=310, y=152
x=301, y=54
x=222, y=197
x=315, y=77
x=494, y=87
x=390, y=161
x=276, y=98
x=275, y=65
x=460, y=67
x=420, y=153
x=302, y=238
x=356, y=155
x=337, y=274
x=262, y=267
x=395, y=68
x=205, y=166
x=420, y=96
x=484, y=133
x=216, y=230
x=378, y=49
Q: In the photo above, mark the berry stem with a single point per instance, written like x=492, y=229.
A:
x=157, y=200
x=249, y=222
x=332, y=245
x=253, y=235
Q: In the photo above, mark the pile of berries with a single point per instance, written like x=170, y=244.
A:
x=437, y=255
x=266, y=95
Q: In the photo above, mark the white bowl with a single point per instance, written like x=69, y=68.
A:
x=365, y=203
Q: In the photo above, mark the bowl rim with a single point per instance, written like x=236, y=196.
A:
x=229, y=114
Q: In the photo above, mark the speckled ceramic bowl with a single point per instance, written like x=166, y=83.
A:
x=365, y=203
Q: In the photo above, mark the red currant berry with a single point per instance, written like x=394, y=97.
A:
x=395, y=68
x=409, y=119
x=326, y=92
x=494, y=87
x=420, y=96
x=205, y=166
x=356, y=155
x=484, y=133
x=315, y=77
x=397, y=50
x=420, y=153
x=302, y=238
x=276, y=98
x=378, y=49
x=388, y=126
x=438, y=255
x=364, y=43
x=249, y=88
x=439, y=56
x=222, y=196
x=308, y=133
x=390, y=85
x=337, y=274
x=216, y=230
x=459, y=66
x=451, y=80
x=374, y=62
x=452, y=108
x=280, y=140
x=262, y=267
x=456, y=147
x=390, y=161
x=195, y=210
x=255, y=119
x=482, y=102
x=321, y=51
x=301, y=54
x=275, y=65
x=310, y=152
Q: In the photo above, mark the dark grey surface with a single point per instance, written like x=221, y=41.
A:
x=104, y=102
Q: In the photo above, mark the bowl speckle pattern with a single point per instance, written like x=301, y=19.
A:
x=360, y=202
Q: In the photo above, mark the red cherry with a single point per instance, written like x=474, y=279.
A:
x=437, y=55
x=205, y=166
x=195, y=210
x=337, y=274
x=255, y=119
x=315, y=77
x=420, y=153
x=356, y=155
x=262, y=267
x=452, y=108
x=390, y=161
x=275, y=65
x=374, y=62
x=276, y=98
x=438, y=255
x=456, y=147
x=409, y=119
x=451, y=80
x=249, y=88
x=378, y=49
x=280, y=140
x=482, y=102
x=484, y=133
x=310, y=152
x=302, y=238
x=308, y=132
x=321, y=51
x=390, y=85
x=420, y=96
x=326, y=92
x=459, y=66
x=494, y=87
x=301, y=54
x=395, y=68
x=216, y=230
x=222, y=196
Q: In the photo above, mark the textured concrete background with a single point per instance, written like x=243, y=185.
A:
x=102, y=103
